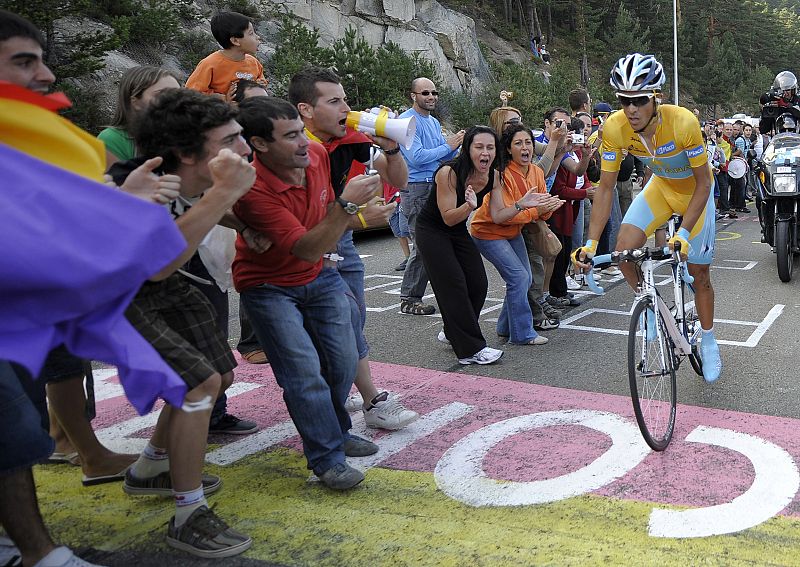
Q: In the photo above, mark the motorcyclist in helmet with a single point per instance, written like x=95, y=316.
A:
x=783, y=94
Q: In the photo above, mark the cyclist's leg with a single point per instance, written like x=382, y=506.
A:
x=701, y=253
x=648, y=211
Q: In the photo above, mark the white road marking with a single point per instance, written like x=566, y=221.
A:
x=761, y=327
x=748, y=265
x=460, y=475
x=775, y=484
x=116, y=437
x=389, y=444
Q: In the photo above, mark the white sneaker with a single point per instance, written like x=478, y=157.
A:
x=388, y=414
x=572, y=284
x=611, y=271
x=354, y=402
x=63, y=557
x=486, y=355
x=442, y=338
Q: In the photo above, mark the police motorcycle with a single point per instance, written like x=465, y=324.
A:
x=778, y=188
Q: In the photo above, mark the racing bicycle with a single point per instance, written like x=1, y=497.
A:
x=663, y=332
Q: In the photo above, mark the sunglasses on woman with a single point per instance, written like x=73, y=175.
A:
x=637, y=101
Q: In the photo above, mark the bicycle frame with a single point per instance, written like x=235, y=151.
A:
x=647, y=287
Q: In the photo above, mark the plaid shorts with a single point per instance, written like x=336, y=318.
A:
x=179, y=322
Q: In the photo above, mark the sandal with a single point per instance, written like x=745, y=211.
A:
x=64, y=458
x=256, y=357
x=409, y=307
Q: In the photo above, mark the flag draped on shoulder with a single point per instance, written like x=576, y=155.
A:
x=74, y=252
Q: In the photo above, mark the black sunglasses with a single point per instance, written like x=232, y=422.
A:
x=426, y=93
x=634, y=100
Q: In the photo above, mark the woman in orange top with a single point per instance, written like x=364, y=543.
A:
x=496, y=229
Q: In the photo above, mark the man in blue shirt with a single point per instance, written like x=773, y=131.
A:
x=429, y=149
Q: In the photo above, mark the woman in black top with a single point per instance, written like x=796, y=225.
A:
x=454, y=265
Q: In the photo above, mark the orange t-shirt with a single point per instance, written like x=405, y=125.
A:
x=215, y=73
x=515, y=185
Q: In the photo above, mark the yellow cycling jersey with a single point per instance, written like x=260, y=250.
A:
x=674, y=150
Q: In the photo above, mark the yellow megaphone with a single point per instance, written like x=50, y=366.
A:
x=381, y=122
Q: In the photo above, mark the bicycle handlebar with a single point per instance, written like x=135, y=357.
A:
x=636, y=255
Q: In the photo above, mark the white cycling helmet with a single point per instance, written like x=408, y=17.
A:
x=637, y=72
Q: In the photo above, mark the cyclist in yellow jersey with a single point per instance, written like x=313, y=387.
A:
x=668, y=140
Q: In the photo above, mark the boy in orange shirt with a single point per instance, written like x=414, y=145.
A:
x=217, y=74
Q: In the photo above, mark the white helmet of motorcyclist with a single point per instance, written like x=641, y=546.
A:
x=786, y=123
x=785, y=85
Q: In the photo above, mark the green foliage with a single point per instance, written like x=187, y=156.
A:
x=154, y=23
x=67, y=57
x=626, y=31
x=533, y=95
x=85, y=110
x=361, y=67
x=244, y=7
x=298, y=47
x=194, y=46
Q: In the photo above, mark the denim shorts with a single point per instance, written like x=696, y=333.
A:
x=399, y=224
x=23, y=440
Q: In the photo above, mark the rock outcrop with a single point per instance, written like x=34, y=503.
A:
x=445, y=37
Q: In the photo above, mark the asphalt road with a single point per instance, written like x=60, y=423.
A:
x=759, y=379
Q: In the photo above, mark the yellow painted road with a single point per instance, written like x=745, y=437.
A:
x=397, y=518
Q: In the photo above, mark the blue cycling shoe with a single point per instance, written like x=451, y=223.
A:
x=709, y=355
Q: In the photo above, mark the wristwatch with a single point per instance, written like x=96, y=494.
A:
x=349, y=208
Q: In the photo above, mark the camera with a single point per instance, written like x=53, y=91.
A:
x=559, y=123
x=578, y=138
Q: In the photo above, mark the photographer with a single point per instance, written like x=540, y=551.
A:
x=783, y=94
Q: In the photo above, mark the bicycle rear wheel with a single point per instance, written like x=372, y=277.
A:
x=651, y=373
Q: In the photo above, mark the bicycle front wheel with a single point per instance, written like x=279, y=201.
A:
x=651, y=372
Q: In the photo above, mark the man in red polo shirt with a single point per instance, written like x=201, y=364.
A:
x=294, y=296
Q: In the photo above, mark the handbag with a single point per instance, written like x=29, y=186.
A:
x=542, y=239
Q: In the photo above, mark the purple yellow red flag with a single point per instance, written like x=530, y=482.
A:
x=74, y=254
x=74, y=251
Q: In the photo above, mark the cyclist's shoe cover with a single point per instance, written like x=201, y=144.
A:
x=709, y=355
x=651, y=326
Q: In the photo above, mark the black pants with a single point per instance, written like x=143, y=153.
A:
x=558, y=281
x=738, y=187
x=722, y=182
x=456, y=273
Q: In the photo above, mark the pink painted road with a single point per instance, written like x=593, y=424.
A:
x=687, y=474
x=497, y=471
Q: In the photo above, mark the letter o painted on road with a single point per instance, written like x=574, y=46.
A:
x=459, y=473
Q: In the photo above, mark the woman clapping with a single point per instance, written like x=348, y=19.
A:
x=496, y=230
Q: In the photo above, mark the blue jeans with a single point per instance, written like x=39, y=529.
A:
x=415, y=278
x=352, y=271
x=308, y=335
x=510, y=257
x=577, y=228
x=23, y=440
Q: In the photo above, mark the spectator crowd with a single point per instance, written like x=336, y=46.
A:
x=261, y=195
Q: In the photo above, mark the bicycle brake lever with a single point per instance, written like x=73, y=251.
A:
x=593, y=287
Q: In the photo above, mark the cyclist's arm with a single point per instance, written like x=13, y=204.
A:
x=702, y=178
x=601, y=204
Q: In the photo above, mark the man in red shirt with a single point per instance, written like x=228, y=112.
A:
x=293, y=293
